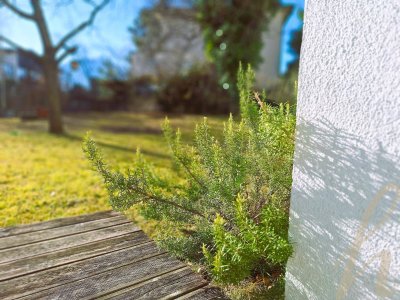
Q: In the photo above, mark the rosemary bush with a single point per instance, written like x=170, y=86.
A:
x=230, y=210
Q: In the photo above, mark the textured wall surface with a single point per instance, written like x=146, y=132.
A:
x=345, y=206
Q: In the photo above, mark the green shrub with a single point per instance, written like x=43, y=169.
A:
x=237, y=254
x=196, y=92
x=230, y=208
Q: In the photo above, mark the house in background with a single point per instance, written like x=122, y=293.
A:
x=21, y=83
x=180, y=46
x=8, y=78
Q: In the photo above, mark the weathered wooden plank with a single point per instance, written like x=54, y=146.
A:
x=112, y=280
x=66, y=274
x=206, y=293
x=167, y=286
x=48, y=234
x=62, y=257
x=92, y=256
x=39, y=248
x=4, y=232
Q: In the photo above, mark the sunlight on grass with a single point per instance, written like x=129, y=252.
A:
x=43, y=176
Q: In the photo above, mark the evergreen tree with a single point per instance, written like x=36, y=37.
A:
x=232, y=32
x=230, y=210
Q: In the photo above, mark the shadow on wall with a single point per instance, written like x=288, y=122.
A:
x=345, y=218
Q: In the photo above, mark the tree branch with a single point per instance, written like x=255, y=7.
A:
x=16, y=10
x=11, y=43
x=199, y=182
x=91, y=2
x=67, y=51
x=168, y=202
x=82, y=26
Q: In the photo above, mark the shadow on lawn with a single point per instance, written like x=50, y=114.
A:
x=74, y=137
x=131, y=129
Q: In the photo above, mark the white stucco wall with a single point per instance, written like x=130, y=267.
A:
x=345, y=205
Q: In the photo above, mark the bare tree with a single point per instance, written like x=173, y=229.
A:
x=53, y=53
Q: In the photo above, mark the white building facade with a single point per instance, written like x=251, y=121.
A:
x=345, y=204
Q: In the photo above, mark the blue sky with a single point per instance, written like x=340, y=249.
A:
x=293, y=23
x=108, y=38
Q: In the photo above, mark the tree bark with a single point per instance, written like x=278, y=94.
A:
x=53, y=95
x=50, y=68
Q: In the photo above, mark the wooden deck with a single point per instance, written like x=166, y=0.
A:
x=97, y=256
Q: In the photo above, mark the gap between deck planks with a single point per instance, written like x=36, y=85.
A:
x=96, y=256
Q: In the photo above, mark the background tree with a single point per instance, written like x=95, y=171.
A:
x=233, y=33
x=164, y=35
x=53, y=53
x=111, y=71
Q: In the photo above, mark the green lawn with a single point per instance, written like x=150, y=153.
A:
x=44, y=176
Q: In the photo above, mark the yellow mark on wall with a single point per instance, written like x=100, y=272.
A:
x=384, y=256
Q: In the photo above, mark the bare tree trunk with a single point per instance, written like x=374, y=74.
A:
x=53, y=95
x=52, y=57
x=50, y=67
